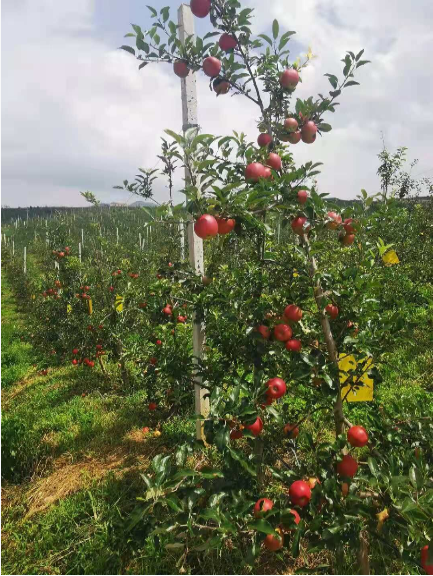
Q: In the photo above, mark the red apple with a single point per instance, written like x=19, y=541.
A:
x=254, y=171
x=302, y=196
x=293, y=345
x=206, y=226
x=159, y=343
x=220, y=86
x=282, y=332
x=153, y=360
x=98, y=346
x=347, y=239
x=167, y=310
x=300, y=493
x=349, y=226
x=211, y=66
x=236, y=434
x=276, y=388
x=153, y=406
x=255, y=428
x=428, y=567
x=261, y=506
x=294, y=137
x=289, y=78
x=274, y=161
x=264, y=139
x=291, y=430
x=300, y=225
x=308, y=132
x=74, y=361
x=267, y=173
x=264, y=331
x=347, y=466
x=357, y=436
x=180, y=68
x=290, y=124
x=332, y=310
x=293, y=312
x=225, y=225
x=335, y=221
x=181, y=319
x=273, y=543
x=200, y=8
x=227, y=42
x=75, y=351
x=297, y=519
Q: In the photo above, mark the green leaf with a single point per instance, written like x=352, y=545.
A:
x=358, y=56
x=262, y=526
x=351, y=83
x=416, y=478
x=266, y=38
x=165, y=12
x=372, y=464
x=275, y=29
x=128, y=49
x=142, y=65
x=362, y=62
x=324, y=127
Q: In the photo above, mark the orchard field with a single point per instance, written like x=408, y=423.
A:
x=297, y=436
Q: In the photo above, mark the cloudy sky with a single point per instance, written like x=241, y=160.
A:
x=78, y=115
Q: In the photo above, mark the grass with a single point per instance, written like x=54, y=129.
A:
x=73, y=452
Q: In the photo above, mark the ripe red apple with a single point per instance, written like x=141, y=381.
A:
x=274, y=161
x=290, y=124
x=302, y=196
x=91, y=364
x=300, y=225
x=276, y=388
x=254, y=171
x=74, y=361
x=256, y=427
x=75, y=351
x=220, y=86
x=206, y=280
x=267, y=173
x=227, y=42
x=200, y=8
x=261, y=506
x=153, y=360
x=347, y=466
x=428, y=567
x=347, y=239
x=297, y=519
x=264, y=139
x=98, y=346
x=180, y=68
x=294, y=137
x=181, y=319
x=142, y=305
x=300, y=493
x=211, y=66
x=158, y=343
x=289, y=78
x=146, y=429
x=293, y=312
x=273, y=543
x=153, y=406
x=111, y=288
x=236, y=434
x=264, y=331
x=206, y=226
x=291, y=430
x=334, y=222
x=282, y=332
x=308, y=132
x=332, y=310
x=349, y=226
x=357, y=436
x=293, y=345
x=225, y=225
x=61, y=254
x=345, y=489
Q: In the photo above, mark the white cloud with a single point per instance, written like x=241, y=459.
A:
x=77, y=114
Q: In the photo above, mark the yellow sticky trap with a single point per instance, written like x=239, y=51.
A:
x=119, y=303
x=90, y=306
x=68, y=309
x=33, y=296
x=295, y=274
x=363, y=393
x=390, y=258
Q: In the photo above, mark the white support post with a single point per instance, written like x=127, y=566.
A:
x=182, y=240
x=139, y=240
x=25, y=260
x=79, y=251
x=13, y=248
x=56, y=265
x=117, y=236
x=82, y=237
x=195, y=244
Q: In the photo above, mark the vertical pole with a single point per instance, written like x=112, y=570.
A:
x=117, y=236
x=13, y=248
x=182, y=240
x=82, y=237
x=139, y=239
x=79, y=251
x=25, y=260
x=195, y=244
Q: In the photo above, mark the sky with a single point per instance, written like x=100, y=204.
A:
x=78, y=115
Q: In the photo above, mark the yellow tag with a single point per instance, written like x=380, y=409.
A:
x=119, y=303
x=390, y=258
x=347, y=367
x=295, y=274
x=33, y=296
x=68, y=309
x=90, y=306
